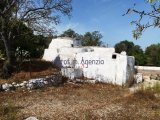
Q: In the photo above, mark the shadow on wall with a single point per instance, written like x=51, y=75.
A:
x=57, y=62
x=131, y=80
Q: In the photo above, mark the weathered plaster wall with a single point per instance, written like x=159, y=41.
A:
x=63, y=42
x=99, y=66
x=50, y=54
x=103, y=50
x=112, y=71
x=98, y=63
x=61, y=46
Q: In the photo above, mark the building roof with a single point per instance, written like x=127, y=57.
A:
x=66, y=38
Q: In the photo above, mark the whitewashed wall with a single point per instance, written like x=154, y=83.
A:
x=103, y=50
x=63, y=42
x=72, y=50
x=113, y=70
x=50, y=54
x=60, y=46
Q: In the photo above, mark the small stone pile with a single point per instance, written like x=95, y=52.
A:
x=155, y=77
x=54, y=80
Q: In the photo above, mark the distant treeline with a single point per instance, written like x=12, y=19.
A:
x=149, y=57
x=35, y=45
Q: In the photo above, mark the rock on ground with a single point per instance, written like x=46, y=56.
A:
x=31, y=118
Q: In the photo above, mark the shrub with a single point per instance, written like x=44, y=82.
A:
x=155, y=88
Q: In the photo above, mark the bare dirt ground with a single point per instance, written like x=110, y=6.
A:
x=82, y=102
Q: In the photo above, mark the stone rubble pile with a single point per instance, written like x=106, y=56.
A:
x=155, y=77
x=54, y=80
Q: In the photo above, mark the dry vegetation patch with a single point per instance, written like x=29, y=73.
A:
x=84, y=101
x=75, y=101
x=30, y=69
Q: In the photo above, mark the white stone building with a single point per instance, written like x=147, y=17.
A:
x=98, y=63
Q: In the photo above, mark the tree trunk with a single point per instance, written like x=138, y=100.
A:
x=9, y=51
x=8, y=67
x=8, y=40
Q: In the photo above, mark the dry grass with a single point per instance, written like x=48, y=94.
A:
x=75, y=101
x=155, y=88
x=28, y=70
x=141, y=105
x=84, y=102
x=8, y=111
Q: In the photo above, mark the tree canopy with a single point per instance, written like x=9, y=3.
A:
x=126, y=46
x=71, y=33
x=38, y=15
x=92, y=39
x=131, y=50
x=153, y=54
x=88, y=39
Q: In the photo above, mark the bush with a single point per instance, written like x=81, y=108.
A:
x=155, y=88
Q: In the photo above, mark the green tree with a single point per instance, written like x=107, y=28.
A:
x=126, y=46
x=38, y=43
x=26, y=40
x=140, y=57
x=71, y=33
x=38, y=15
x=153, y=54
x=92, y=39
x=131, y=50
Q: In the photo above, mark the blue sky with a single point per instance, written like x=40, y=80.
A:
x=106, y=16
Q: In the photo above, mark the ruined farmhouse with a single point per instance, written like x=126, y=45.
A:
x=92, y=62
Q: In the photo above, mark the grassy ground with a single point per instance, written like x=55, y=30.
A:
x=75, y=101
